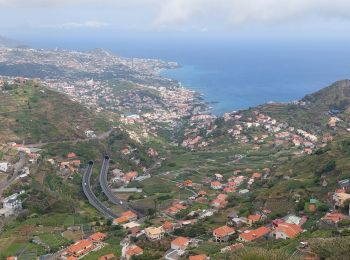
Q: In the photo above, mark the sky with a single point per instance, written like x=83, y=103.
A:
x=236, y=18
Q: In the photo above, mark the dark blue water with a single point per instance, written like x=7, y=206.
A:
x=237, y=73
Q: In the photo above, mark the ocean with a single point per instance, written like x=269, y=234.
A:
x=237, y=74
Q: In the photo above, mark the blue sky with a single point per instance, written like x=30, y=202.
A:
x=24, y=19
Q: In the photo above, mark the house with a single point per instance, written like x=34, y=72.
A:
x=216, y=185
x=72, y=258
x=11, y=258
x=340, y=196
x=256, y=175
x=219, y=177
x=330, y=220
x=286, y=231
x=253, y=235
x=120, y=220
x=108, y=257
x=344, y=184
x=168, y=226
x=253, y=218
x=152, y=152
x=130, y=215
x=175, y=208
x=4, y=166
x=154, y=233
x=188, y=183
x=80, y=248
x=220, y=202
x=135, y=232
x=180, y=243
x=198, y=257
x=71, y=155
x=202, y=193
x=132, y=251
x=97, y=237
x=239, y=222
x=130, y=176
x=222, y=234
x=131, y=224
x=232, y=247
x=11, y=205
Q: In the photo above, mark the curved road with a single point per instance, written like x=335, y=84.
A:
x=93, y=200
x=107, y=191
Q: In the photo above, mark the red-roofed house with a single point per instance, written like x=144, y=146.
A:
x=120, y=220
x=256, y=175
x=80, y=248
x=216, y=185
x=286, y=230
x=97, y=237
x=168, y=226
x=130, y=176
x=252, y=235
x=11, y=258
x=133, y=250
x=331, y=219
x=202, y=193
x=222, y=234
x=253, y=218
x=180, y=243
x=107, y=257
x=130, y=215
x=198, y=257
x=71, y=155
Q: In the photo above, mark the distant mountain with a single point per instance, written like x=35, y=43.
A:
x=9, y=43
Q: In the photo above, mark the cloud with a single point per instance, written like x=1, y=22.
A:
x=238, y=12
x=77, y=25
x=197, y=13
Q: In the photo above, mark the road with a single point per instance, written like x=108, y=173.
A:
x=93, y=200
x=101, y=136
x=107, y=191
x=17, y=167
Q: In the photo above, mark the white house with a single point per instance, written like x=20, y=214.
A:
x=4, y=166
x=11, y=204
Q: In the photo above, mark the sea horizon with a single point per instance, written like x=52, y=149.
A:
x=237, y=75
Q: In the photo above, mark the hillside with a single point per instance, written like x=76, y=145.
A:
x=8, y=43
x=314, y=111
x=32, y=113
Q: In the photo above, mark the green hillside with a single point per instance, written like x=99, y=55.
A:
x=33, y=113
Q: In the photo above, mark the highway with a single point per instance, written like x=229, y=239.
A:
x=93, y=200
x=107, y=191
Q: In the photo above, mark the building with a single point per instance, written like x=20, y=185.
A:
x=220, y=202
x=216, y=185
x=180, y=243
x=108, y=257
x=330, y=220
x=97, y=237
x=340, y=196
x=132, y=251
x=80, y=248
x=154, y=233
x=223, y=234
x=11, y=205
x=168, y=226
x=260, y=233
x=198, y=257
x=120, y=220
x=253, y=218
x=286, y=231
x=130, y=215
x=4, y=166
